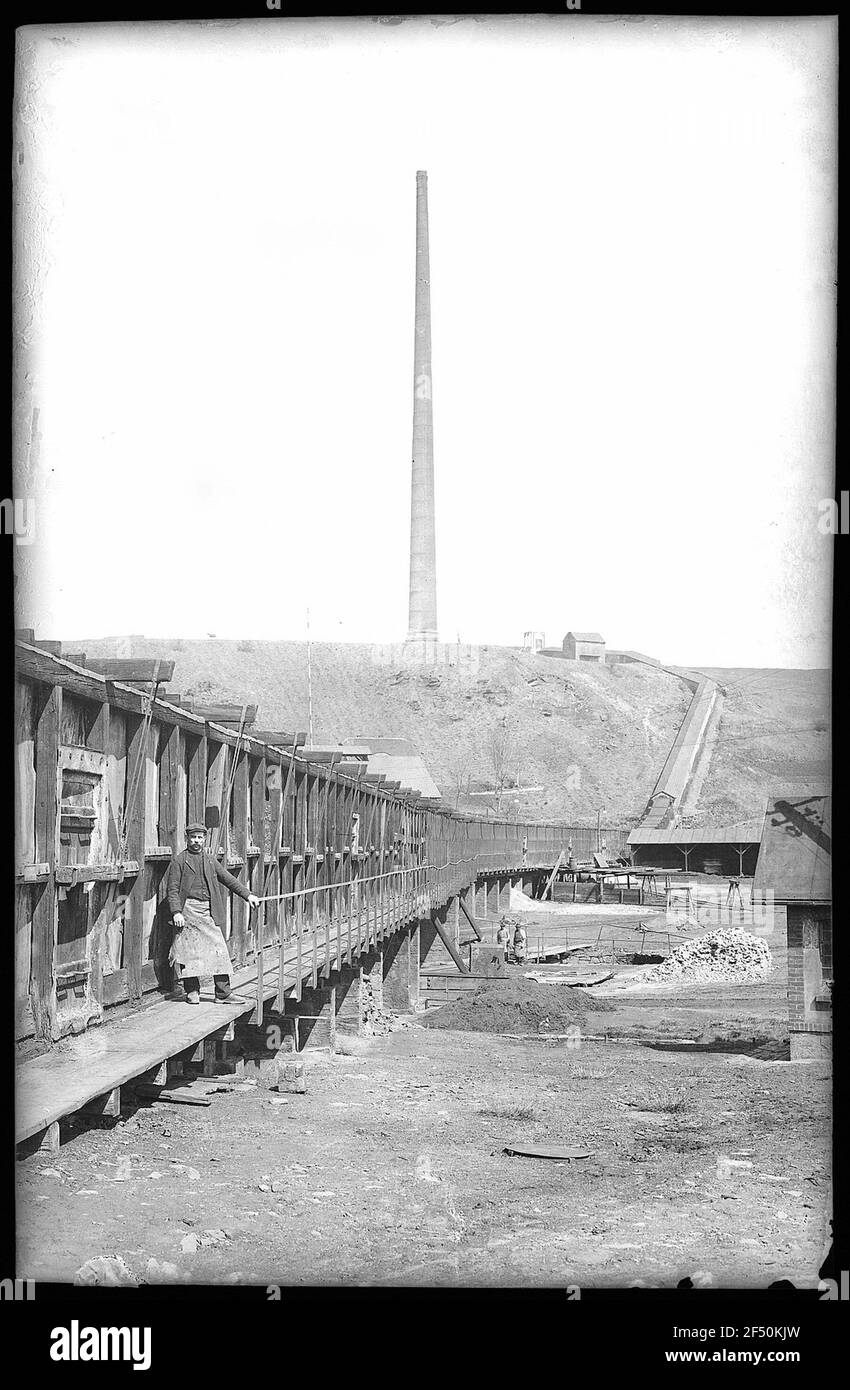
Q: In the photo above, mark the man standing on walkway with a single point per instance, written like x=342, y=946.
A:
x=198, y=904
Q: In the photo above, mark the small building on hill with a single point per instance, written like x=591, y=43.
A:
x=533, y=641
x=795, y=866
x=584, y=646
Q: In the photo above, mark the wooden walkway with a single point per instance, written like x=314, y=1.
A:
x=86, y=1068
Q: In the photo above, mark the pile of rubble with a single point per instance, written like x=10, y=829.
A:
x=373, y=1019
x=727, y=954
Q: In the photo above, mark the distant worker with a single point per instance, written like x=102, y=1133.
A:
x=503, y=938
x=520, y=944
x=524, y=851
x=197, y=901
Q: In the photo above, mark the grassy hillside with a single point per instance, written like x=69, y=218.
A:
x=773, y=735
x=592, y=738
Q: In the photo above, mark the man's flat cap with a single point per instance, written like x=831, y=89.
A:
x=196, y=826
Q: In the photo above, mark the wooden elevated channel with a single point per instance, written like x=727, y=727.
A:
x=108, y=774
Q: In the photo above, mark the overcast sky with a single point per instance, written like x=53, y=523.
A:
x=632, y=298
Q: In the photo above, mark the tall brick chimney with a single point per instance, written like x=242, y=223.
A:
x=422, y=612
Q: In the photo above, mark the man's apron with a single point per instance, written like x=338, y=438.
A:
x=199, y=948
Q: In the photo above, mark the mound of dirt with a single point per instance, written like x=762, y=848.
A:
x=728, y=954
x=518, y=1006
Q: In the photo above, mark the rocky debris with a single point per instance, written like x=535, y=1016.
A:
x=373, y=1019
x=291, y=1077
x=161, y=1272
x=193, y=1242
x=727, y=954
x=727, y=1167
x=105, y=1271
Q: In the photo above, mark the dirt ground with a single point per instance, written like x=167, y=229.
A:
x=391, y=1170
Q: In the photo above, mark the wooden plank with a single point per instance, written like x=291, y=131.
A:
x=280, y=737
x=196, y=777
x=47, y=799
x=226, y=714
x=23, y=960
x=470, y=919
x=239, y=908
x=132, y=668
x=257, y=810
x=449, y=944
x=150, y=1091
x=25, y=703
x=60, y=1082
x=172, y=787
x=152, y=787
x=214, y=808
x=134, y=911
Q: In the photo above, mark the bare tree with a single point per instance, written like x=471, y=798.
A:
x=501, y=750
x=461, y=774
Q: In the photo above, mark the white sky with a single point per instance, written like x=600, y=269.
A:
x=632, y=298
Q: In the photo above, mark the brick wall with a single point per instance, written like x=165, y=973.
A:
x=809, y=937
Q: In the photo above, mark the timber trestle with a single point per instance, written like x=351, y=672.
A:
x=108, y=776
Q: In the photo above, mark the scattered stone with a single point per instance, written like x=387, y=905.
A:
x=727, y=954
x=105, y=1271
x=727, y=1166
x=423, y=1169
x=214, y=1238
x=291, y=1077
x=191, y=1173
x=50, y=1173
x=123, y=1171
x=161, y=1273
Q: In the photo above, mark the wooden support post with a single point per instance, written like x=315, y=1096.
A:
x=134, y=925
x=49, y=1142
x=196, y=788
x=174, y=1068
x=108, y=1104
x=210, y=1058
x=299, y=946
x=239, y=909
x=47, y=798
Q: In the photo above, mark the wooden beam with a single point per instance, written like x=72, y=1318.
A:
x=446, y=938
x=108, y=1104
x=53, y=671
x=239, y=907
x=225, y=714
x=135, y=848
x=47, y=799
x=276, y=736
x=132, y=668
x=470, y=919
